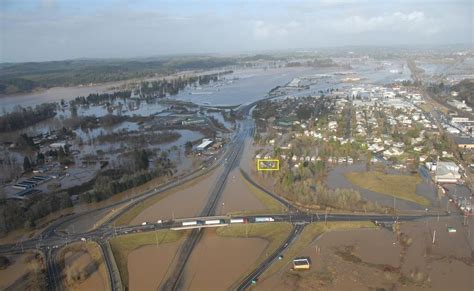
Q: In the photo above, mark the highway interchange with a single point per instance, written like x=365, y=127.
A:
x=51, y=238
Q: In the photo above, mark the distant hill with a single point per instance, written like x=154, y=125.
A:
x=25, y=77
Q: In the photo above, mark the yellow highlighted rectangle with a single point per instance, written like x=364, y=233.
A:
x=275, y=162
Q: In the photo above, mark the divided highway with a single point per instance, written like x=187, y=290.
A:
x=175, y=281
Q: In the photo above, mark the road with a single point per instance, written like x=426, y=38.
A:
x=253, y=276
x=175, y=281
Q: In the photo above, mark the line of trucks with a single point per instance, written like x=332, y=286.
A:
x=220, y=221
x=223, y=221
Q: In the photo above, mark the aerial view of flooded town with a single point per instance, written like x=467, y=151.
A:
x=337, y=166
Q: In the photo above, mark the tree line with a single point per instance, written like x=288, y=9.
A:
x=23, y=117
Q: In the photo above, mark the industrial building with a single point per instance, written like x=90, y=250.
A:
x=447, y=172
x=206, y=142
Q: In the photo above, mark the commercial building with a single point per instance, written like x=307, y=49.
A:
x=206, y=142
x=465, y=142
x=447, y=172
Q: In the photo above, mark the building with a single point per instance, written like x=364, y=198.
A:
x=301, y=263
x=194, y=120
x=206, y=142
x=465, y=142
x=447, y=172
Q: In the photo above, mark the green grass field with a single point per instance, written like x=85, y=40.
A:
x=123, y=245
x=399, y=186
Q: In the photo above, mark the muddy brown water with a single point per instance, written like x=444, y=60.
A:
x=237, y=196
x=336, y=179
x=14, y=271
x=187, y=201
x=149, y=265
x=442, y=265
x=218, y=262
x=81, y=261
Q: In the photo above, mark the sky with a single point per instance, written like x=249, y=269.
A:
x=45, y=30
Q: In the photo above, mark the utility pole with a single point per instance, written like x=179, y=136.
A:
x=326, y=217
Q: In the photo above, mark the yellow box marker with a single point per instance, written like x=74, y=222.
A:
x=276, y=164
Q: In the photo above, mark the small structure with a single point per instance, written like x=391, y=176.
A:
x=301, y=263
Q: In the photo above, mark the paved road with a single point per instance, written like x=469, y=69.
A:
x=175, y=281
x=253, y=276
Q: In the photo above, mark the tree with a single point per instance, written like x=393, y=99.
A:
x=141, y=159
x=40, y=158
x=26, y=164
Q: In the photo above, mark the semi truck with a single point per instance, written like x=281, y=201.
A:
x=264, y=219
x=191, y=223
x=238, y=220
x=214, y=221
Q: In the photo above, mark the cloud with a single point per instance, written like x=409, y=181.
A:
x=415, y=21
x=48, y=4
x=59, y=29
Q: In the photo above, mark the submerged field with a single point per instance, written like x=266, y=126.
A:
x=124, y=245
x=399, y=186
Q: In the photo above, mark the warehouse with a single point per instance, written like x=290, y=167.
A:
x=447, y=172
x=206, y=142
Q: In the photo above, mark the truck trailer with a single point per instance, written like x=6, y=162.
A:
x=264, y=219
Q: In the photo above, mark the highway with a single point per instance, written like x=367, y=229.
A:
x=253, y=276
x=175, y=281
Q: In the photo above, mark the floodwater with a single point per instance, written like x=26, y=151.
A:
x=442, y=266
x=217, y=262
x=149, y=265
x=13, y=273
x=242, y=86
x=237, y=196
x=246, y=86
x=82, y=262
x=185, y=201
x=55, y=94
x=336, y=179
